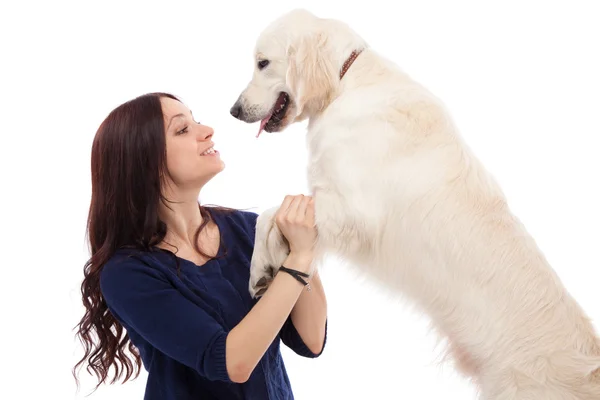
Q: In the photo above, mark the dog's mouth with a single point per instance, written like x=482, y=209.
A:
x=273, y=120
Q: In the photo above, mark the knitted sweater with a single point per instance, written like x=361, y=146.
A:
x=178, y=315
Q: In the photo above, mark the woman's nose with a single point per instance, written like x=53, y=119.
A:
x=205, y=132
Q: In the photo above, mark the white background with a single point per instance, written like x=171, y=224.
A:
x=520, y=77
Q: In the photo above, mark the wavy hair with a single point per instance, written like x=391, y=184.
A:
x=127, y=162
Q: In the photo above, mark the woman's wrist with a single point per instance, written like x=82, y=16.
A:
x=287, y=279
x=299, y=261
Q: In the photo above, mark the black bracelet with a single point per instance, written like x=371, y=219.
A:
x=297, y=275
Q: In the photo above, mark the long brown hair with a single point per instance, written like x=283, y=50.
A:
x=128, y=163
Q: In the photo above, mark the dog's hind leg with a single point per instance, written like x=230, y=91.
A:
x=514, y=385
x=507, y=386
x=463, y=362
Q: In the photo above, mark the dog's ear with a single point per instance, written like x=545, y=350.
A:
x=310, y=74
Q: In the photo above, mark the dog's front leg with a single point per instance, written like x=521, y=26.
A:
x=271, y=248
x=340, y=227
x=270, y=251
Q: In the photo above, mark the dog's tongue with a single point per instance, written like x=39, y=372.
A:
x=263, y=122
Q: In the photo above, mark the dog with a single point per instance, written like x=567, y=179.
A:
x=399, y=195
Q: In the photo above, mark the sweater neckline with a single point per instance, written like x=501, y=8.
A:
x=220, y=252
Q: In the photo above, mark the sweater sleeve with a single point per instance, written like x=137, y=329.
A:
x=144, y=299
x=292, y=339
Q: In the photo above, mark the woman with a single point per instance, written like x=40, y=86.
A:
x=168, y=278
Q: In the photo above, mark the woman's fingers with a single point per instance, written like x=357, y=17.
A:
x=283, y=209
x=288, y=208
x=303, y=209
x=295, y=219
x=310, y=211
x=289, y=212
x=296, y=209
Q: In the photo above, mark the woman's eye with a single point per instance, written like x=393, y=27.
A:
x=262, y=64
x=184, y=130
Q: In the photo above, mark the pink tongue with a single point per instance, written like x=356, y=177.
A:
x=262, y=125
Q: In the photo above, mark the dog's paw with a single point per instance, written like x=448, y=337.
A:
x=260, y=279
x=270, y=251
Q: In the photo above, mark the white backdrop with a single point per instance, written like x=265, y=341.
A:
x=520, y=77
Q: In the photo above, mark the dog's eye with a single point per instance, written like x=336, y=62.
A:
x=262, y=64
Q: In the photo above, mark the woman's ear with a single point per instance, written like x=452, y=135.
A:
x=310, y=74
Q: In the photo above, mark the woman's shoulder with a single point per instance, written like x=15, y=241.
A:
x=236, y=226
x=130, y=263
x=243, y=219
x=129, y=256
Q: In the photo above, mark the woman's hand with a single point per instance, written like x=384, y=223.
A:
x=249, y=340
x=296, y=221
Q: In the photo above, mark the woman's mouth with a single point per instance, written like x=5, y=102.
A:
x=209, y=152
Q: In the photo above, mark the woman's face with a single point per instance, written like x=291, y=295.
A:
x=191, y=159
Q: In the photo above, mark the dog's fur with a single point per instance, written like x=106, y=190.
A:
x=398, y=194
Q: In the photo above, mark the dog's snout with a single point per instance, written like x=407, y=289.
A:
x=236, y=110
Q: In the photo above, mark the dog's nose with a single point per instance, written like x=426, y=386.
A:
x=236, y=110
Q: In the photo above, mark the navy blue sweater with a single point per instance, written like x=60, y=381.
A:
x=178, y=315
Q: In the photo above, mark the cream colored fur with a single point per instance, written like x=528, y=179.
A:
x=400, y=196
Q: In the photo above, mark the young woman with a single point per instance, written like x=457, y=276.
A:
x=168, y=278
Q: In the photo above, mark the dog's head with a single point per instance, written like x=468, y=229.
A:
x=296, y=70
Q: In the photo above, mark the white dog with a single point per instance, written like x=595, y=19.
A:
x=399, y=194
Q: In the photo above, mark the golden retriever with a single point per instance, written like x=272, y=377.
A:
x=401, y=196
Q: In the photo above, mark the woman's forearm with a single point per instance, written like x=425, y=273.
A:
x=309, y=315
x=248, y=341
